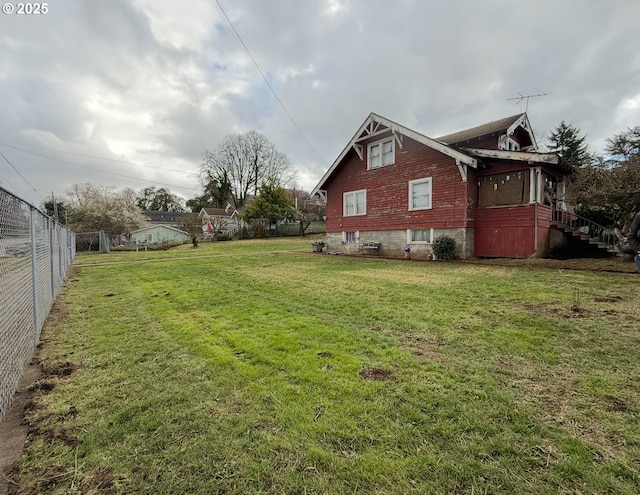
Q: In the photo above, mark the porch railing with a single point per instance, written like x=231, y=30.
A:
x=595, y=234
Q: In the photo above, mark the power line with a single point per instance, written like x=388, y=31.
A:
x=90, y=168
x=4, y=180
x=155, y=167
x=21, y=176
x=269, y=84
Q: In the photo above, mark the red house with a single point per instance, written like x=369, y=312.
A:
x=487, y=187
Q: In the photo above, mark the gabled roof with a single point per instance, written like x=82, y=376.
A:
x=164, y=216
x=214, y=212
x=375, y=125
x=507, y=126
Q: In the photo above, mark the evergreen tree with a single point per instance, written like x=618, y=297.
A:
x=272, y=204
x=569, y=144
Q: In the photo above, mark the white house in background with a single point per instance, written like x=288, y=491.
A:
x=155, y=234
x=219, y=220
x=175, y=219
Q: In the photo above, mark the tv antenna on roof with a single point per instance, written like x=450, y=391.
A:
x=526, y=98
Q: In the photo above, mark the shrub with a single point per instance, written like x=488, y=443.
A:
x=444, y=248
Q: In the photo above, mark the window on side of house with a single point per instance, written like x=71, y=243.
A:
x=355, y=203
x=420, y=194
x=351, y=236
x=382, y=153
x=419, y=236
x=148, y=237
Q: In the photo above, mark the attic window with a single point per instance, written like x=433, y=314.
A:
x=508, y=144
x=381, y=153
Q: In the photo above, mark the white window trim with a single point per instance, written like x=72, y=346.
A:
x=381, y=142
x=344, y=203
x=420, y=181
x=507, y=143
x=356, y=236
x=409, y=241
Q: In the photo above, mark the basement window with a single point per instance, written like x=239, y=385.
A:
x=419, y=236
x=350, y=236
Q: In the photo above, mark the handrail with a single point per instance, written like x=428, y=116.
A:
x=605, y=236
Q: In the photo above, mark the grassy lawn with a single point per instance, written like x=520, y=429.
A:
x=257, y=367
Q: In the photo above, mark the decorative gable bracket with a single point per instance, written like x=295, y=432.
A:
x=399, y=138
x=463, y=170
x=322, y=193
x=359, y=149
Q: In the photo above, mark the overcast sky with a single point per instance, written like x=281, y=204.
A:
x=130, y=93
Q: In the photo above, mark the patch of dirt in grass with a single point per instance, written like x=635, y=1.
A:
x=421, y=347
x=376, y=374
x=325, y=355
x=575, y=310
x=101, y=481
x=49, y=477
x=58, y=369
x=616, y=403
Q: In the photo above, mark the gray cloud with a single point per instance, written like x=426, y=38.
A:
x=154, y=82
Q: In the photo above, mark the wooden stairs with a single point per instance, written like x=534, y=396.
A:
x=586, y=231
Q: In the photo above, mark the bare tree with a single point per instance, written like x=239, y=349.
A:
x=193, y=226
x=245, y=162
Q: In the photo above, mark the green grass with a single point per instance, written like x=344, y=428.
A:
x=258, y=367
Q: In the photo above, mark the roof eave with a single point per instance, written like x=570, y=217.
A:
x=460, y=157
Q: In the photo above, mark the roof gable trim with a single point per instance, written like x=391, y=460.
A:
x=375, y=125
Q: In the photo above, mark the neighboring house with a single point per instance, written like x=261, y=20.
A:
x=174, y=219
x=219, y=220
x=155, y=234
x=487, y=187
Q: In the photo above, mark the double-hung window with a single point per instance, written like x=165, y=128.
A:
x=382, y=153
x=420, y=194
x=355, y=203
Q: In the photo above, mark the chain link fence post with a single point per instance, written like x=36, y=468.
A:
x=35, y=255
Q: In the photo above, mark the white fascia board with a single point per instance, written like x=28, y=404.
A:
x=524, y=122
x=523, y=156
x=344, y=152
x=399, y=129
x=429, y=142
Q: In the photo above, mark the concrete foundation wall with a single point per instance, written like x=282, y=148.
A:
x=393, y=242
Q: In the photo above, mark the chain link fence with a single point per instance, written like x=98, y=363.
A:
x=35, y=254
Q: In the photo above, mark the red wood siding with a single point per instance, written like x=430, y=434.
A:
x=510, y=232
x=388, y=189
